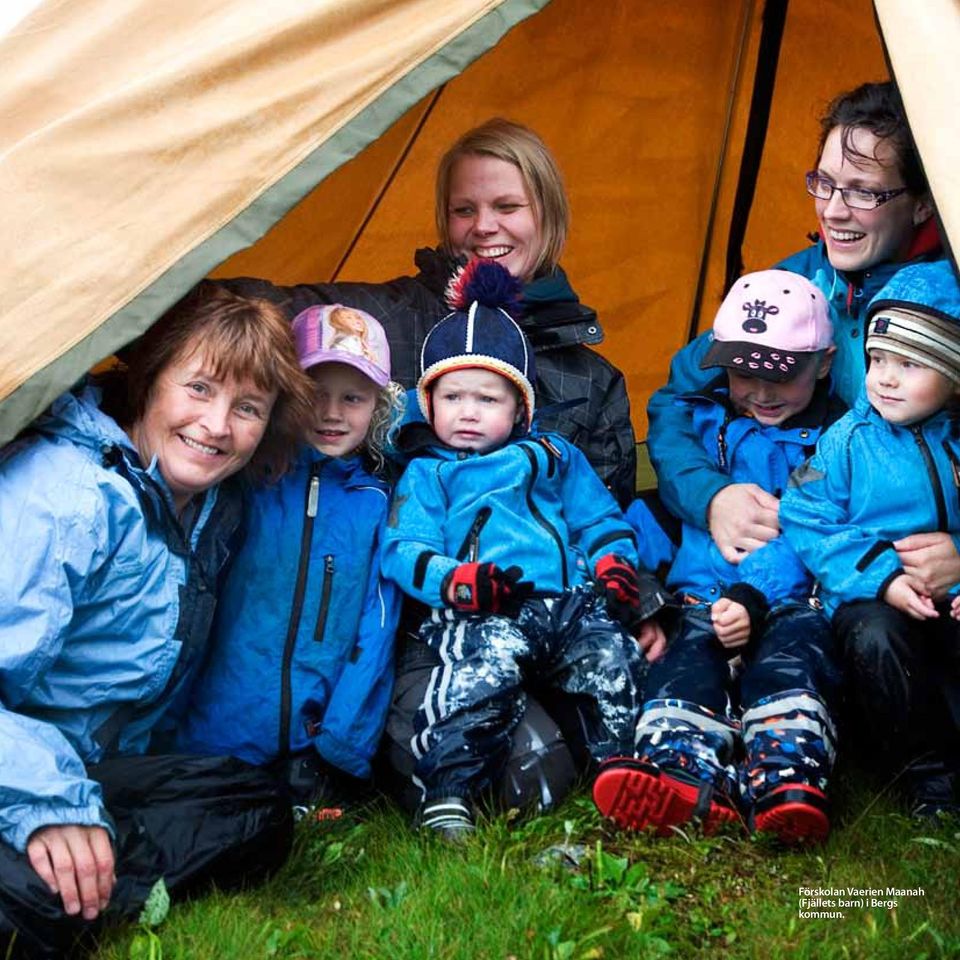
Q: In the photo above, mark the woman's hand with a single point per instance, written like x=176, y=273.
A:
x=741, y=518
x=77, y=862
x=731, y=623
x=931, y=562
x=902, y=596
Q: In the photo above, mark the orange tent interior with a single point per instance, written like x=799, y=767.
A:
x=634, y=99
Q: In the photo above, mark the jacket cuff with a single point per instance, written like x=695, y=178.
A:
x=882, y=589
x=43, y=815
x=753, y=600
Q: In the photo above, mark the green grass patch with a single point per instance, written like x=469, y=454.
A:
x=567, y=886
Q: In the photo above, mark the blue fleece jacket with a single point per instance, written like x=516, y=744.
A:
x=870, y=483
x=536, y=503
x=749, y=452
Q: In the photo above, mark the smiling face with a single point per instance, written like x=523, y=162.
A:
x=345, y=401
x=201, y=428
x=474, y=409
x=903, y=391
x=860, y=239
x=773, y=403
x=490, y=215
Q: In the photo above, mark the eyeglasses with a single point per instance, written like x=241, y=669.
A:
x=858, y=198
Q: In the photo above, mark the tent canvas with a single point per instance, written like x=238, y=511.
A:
x=142, y=144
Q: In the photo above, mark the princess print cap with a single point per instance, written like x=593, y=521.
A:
x=338, y=334
x=766, y=323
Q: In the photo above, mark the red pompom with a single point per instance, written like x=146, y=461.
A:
x=487, y=283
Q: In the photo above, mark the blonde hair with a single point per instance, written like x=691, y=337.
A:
x=519, y=145
x=384, y=422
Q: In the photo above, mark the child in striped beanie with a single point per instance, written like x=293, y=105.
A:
x=875, y=515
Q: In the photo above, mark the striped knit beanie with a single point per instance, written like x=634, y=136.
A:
x=917, y=316
x=480, y=333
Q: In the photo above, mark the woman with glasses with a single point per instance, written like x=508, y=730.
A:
x=875, y=215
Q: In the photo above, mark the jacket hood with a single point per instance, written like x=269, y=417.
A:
x=930, y=287
x=77, y=417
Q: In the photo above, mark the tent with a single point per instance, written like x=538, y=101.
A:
x=145, y=145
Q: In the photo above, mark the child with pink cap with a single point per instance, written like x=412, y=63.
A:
x=760, y=749
x=301, y=671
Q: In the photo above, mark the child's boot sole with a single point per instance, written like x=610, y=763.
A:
x=636, y=795
x=796, y=814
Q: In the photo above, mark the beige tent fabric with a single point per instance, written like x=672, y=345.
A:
x=924, y=47
x=132, y=130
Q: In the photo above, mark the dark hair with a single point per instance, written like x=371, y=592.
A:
x=239, y=337
x=876, y=107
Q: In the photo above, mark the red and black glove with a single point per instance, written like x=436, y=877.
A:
x=485, y=588
x=617, y=581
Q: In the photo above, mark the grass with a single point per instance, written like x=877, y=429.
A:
x=566, y=886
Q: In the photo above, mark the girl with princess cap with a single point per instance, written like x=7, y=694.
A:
x=302, y=667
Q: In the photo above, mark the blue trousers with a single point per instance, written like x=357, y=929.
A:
x=698, y=718
x=476, y=697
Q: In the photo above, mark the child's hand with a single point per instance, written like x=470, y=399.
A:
x=652, y=640
x=731, y=623
x=486, y=588
x=902, y=596
x=955, y=607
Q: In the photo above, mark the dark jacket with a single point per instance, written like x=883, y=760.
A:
x=558, y=325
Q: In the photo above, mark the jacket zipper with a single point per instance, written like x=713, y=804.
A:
x=954, y=463
x=324, y=598
x=722, y=444
x=311, y=504
x=470, y=548
x=934, y=478
x=540, y=518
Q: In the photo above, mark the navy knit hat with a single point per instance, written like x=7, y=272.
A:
x=917, y=315
x=480, y=333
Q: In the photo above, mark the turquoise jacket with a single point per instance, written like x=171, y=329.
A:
x=870, y=483
x=535, y=503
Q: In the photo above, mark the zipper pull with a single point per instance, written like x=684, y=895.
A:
x=313, y=498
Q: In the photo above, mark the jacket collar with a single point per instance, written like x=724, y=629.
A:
x=825, y=406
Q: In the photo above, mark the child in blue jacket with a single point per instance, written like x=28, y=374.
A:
x=301, y=669
x=891, y=468
x=758, y=422
x=508, y=537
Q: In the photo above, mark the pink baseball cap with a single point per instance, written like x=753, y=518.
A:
x=335, y=333
x=766, y=323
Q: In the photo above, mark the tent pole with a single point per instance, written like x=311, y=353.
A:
x=718, y=175
x=765, y=78
x=388, y=181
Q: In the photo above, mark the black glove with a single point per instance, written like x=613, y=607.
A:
x=485, y=588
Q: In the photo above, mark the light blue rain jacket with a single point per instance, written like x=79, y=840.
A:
x=104, y=609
